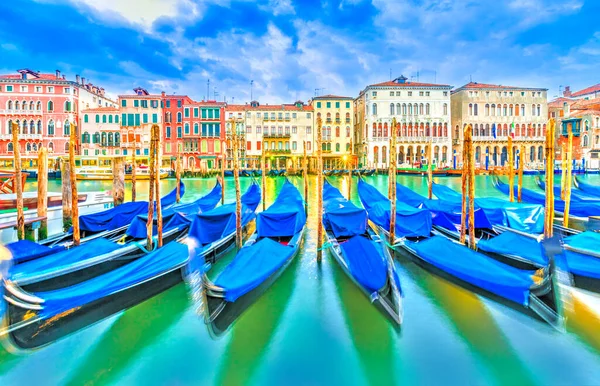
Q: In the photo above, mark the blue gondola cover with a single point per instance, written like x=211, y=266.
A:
x=514, y=244
x=410, y=222
x=341, y=216
x=366, y=262
x=593, y=190
x=25, y=250
x=285, y=217
x=138, y=230
x=475, y=268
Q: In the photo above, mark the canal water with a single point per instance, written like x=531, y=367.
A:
x=314, y=327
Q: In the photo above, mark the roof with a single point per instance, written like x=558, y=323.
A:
x=581, y=113
x=205, y=103
x=38, y=77
x=282, y=107
x=559, y=102
x=331, y=96
x=483, y=86
x=394, y=83
x=100, y=110
x=589, y=90
x=584, y=104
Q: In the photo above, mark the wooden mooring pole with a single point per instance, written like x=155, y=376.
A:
x=178, y=175
x=305, y=177
x=263, y=180
x=392, y=182
x=133, y=170
x=66, y=194
x=118, y=191
x=563, y=171
x=236, y=179
x=18, y=182
x=464, y=183
x=511, y=170
x=151, y=196
x=42, y=191
x=74, y=196
x=223, y=160
x=549, y=204
x=430, y=170
x=568, y=177
x=351, y=162
x=471, y=156
x=319, y=190
x=155, y=160
x=521, y=167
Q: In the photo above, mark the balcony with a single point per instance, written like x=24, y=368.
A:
x=328, y=120
x=489, y=138
x=278, y=151
x=21, y=136
x=338, y=121
x=347, y=120
x=21, y=112
x=271, y=136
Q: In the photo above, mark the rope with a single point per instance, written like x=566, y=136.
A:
x=143, y=248
x=325, y=246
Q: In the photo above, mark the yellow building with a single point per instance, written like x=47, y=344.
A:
x=337, y=114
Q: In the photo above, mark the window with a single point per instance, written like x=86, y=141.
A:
x=374, y=93
x=308, y=115
x=168, y=132
x=186, y=112
x=475, y=108
x=210, y=113
x=9, y=88
x=392, y=109
x=144, y=118
x=179, y=103
x=144, y=103
x=67, y=90
x=136, y=103
x=308, y=130
x=104, y=119
x=445, y=109
x=410, y=93
x=51, y=127
x=196, y=129
x=123, y=102
x=427, y=93
x=427, y=112
x=347, y=131
x=68, y=106
x=374, y=108
x=420, y=93
x=318, y=105
x=179, y=132
x=110, y=119
x=187, y=128
x=391, y=93
x=179, y=117
x=85, y=118
x=51, y=89
x=154, y=104
x=168, y=104
x=67, y=128
x=24, y=89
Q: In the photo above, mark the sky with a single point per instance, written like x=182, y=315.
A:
x=280, y=51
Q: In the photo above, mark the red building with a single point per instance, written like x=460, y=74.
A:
x=203, y=139
x=172, y=129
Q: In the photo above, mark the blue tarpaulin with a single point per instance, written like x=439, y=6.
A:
x=252, y=266
x=285, y=217
x=475, y=268
x=340, y=215
x=585, y=240
x=62, y=259
x=146, y=267
x=25, y=250
x=215, y=224
x=593, y=190
x=410, y=222
x=366, y=262
x=578, y=208
x=514, y=244
x=577, y=195
x=137, y=229
x=123, y=214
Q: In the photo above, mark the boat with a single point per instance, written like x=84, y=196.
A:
x=529, y=291
x=106, y=174
x=258, y=264
x=35, y=319
x=577, y=195
x=368, y=172
x=590, y=189
x=361, y=253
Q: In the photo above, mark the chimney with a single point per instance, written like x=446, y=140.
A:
x=77, y=79
x=163, y=94
x=567, y=93
x=57, y=74
x=64, y=77
x=83, y=81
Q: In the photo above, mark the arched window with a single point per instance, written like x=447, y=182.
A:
x=50, y=147
x=203, y=146
x=17, y=105
x=196, y=128
x=66, y=147
x=510, y=110
x=68, y=106
x=392, y=109
x=67, y=128
x=111, y=139
x=104, y=118
x=97, y=118
x=374, y=130
x=470, y=108
x=517, y=110
x=376, y=154
x=110, y=119
x=96, y=138
x=427, y=109
x=39, y=106
x=179, y=117
x=493, y=110
x=117, y=139
x=539, y=110
x=337, y=132
x=9, y=126
x=337, y=117
x=9, y=105
x=404, y=111
x=347, y=131
x=475, y=109
x=34, y=147
x=533, y=110
x=39, y=126
x=31, y=127
x=9, y=147
x=374, y=109
x=505, y=110
x=186, y=128
x=421, y=109
x=85, y=137
x=385, y=130
x=487, y=110
x=337, y=147
x=384, y=154
x=85, y=118
x=24, y=128
x=585, y=141
x=31, y=106
x=28, y=147
x=116, y=119
x=51, y=127
x=398, y=110
x=445, y=108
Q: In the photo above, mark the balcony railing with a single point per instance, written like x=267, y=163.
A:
x=337, y=120
x=22, y=136
x=265, y=135
x=278, y=151
x=503, y=138
x=21, y=112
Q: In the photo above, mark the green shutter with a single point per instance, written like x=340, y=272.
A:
x=204, y=113
x=318, y=105
x=123, y=102
x=154, y=118
x=145, y=118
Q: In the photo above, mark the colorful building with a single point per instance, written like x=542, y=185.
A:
x=100, y=136
x=495, y=112
x=202, y=145
x=337, y=113
x=422, y=114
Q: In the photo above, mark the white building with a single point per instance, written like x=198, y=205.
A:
x=422, y=112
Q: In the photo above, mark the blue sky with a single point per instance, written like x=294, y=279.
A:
x=290, y=48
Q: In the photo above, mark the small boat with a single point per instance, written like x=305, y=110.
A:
x=273, y=173
x=328, y=172
x=281, y=172
x=368, y=172
x=245, y=173
x=587, y=188
x=228, y=173
x=361, y=253
x=106, y=174
x=529, y=291
x=577, y=195
x=263, y=258
x=34, y=319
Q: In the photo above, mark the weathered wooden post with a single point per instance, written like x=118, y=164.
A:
x=549, y=204
x=118, y=191
x=177, y=175
x=319, y=190
x=223, y=179
x=568, y=177
x=133, y=170
x=430, y=170
x=263, y=179
x=18, y=182
x=521, y=167
x=42, y=189
x=305, y=177
x=471, y=155
x=464, y=183
x=236, y=179
x=66, y=194
x=151, y=196
x=563, y=170
x=350, y=171
x=392, y=182
x=155, y=159
x=511, y=171
x=74, y=197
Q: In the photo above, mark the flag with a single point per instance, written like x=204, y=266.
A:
x=512, y=130
x=494, y=130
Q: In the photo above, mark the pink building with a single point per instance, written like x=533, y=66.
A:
x=100, y=136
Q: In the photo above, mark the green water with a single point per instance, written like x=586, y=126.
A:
x=314, y=327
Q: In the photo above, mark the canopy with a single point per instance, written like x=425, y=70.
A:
x=410, y=222
x=215, y=224
x=576, y=194
x=341, y=216
x=171, y=256
x=123, y=214
x=366, y=262
x=138, y=230
x=584, y=240
x=60, y=260
x=285, y=217
x=475, y=268
x=593, y=190
x=578, y=208
x=252, y=266
x=514, y=244
x=25, y=250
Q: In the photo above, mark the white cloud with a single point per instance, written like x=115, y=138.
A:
x=279, y=7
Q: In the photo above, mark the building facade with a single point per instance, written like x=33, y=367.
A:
x=422, y=112
x=495, y=112
x=100, y=136
x=203, y=142
x=337, y=114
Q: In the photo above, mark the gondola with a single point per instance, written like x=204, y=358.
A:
x=228, y=173
x=590, y=189
x=328, y=172
x=245, y=173
x=34, y=319
x=369, y=172
x=361, y=253
x=577, y=195
x=529, y=291
x=273, y=173
x=268, y=252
